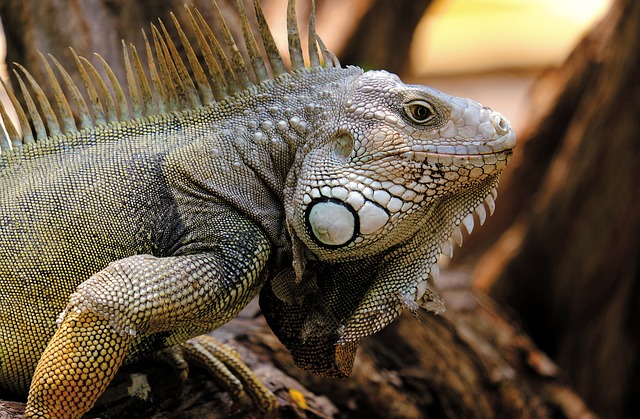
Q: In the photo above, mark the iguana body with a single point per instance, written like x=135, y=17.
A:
x=338, y=187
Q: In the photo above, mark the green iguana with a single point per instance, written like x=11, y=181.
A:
x=156, y=215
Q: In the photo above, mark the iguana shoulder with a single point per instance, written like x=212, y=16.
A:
x=151, y=216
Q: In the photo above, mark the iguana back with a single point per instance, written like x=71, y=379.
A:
x=72, y=205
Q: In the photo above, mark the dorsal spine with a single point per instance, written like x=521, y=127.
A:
x=175, y=85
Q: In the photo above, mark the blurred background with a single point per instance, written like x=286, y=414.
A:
x=492, y=50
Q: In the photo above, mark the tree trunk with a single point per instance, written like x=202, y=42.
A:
x=383, y=37
x=569, y=264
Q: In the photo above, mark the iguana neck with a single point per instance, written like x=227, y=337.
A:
x=242, y=150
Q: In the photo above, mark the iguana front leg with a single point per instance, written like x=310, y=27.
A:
x=141, y=295
x=75, y=369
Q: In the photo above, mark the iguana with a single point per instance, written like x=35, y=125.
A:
x=156, y=215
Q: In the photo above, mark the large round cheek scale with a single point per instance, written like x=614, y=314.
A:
x=331, y=223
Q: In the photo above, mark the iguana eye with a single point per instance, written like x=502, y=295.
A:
x=419, y=111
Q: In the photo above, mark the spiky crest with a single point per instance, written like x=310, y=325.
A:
x=174, y=86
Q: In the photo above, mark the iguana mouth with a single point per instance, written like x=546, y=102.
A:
x=503, y=145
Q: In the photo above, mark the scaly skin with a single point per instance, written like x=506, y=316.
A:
x=336, y=187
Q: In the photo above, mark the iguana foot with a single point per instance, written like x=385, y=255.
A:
x=224, y=364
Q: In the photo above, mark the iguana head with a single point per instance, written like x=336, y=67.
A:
x=377, y=170
x=384, y=183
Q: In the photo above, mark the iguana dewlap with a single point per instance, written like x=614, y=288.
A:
x=164, y=208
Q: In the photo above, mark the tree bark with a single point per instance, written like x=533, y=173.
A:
x=471, y=362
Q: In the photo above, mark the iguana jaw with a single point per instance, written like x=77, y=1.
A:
x=359, y=218
x=311, y=318
x=407, y=274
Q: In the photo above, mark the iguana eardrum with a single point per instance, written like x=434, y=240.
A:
x=328, y=190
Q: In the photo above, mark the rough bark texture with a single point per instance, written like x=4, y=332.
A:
x=568, y=262
x=471, y=362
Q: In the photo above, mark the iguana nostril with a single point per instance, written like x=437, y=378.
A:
x=500, y=124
